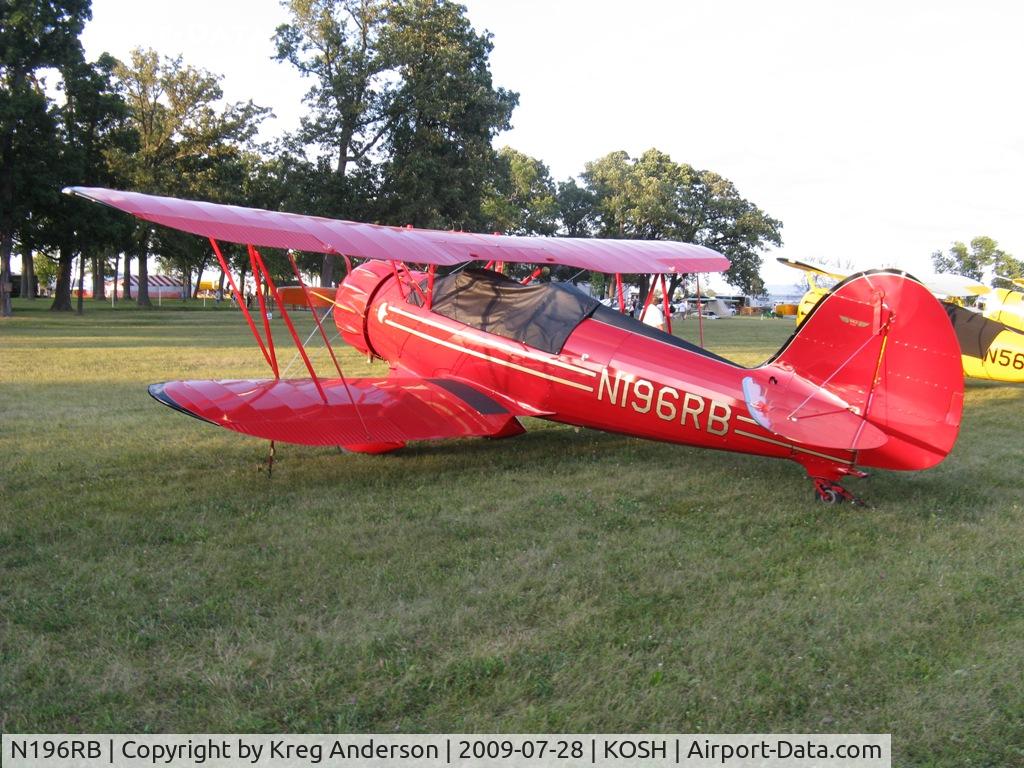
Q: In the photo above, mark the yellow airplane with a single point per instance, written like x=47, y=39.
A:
x=991, y=344
x=1006, y=306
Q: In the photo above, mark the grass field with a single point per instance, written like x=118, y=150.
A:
x=151, y=579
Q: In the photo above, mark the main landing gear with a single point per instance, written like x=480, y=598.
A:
x=831, y=492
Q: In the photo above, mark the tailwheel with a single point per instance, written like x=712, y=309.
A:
x=831, y=492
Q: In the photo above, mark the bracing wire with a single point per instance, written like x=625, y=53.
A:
x=305, y=344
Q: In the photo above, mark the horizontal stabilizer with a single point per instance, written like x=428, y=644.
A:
x=804, y=413
x=358, y=412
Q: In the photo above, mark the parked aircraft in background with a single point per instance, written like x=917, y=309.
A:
x=991, y=342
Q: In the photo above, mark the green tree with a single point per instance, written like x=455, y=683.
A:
x=1008, y=268
x=576, y=209
x=521, y=199
x=402, y=111
x=336, y=43
x=283, y=181
x=46, y=272
x=32, y=170
x=638, y=198
x=723, y=220
x=34, y=35
x=187, y=142
x=441, y=118
x=92, y=123
x=984, y=252
x=654, y=198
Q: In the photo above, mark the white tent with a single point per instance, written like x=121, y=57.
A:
x=163, y=286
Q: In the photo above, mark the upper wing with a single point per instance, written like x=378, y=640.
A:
x=942, y=284
x=806, y=266
x=274, y=229
x=357, y=412
x=1017, y=281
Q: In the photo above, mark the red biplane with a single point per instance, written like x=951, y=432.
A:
x=871, y=378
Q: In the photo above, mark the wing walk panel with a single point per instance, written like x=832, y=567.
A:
x=394, y=409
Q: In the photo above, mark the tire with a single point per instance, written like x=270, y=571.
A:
x=828, y=496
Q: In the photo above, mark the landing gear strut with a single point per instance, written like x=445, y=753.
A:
x=831, y=492
x=269, y=466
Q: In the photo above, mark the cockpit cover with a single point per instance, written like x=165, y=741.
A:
x=541, y=315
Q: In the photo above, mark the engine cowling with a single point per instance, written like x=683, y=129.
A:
x=353, y=298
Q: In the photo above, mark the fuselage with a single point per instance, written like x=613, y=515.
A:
x=620, y=377
x=1006, y=307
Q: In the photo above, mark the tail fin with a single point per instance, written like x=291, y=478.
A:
x=875, y=368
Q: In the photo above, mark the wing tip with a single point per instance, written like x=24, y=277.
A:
x=159, y=393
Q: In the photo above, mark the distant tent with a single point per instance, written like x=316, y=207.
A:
x=159, y=286
x=719, y=307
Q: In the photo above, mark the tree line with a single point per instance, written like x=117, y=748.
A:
x=401, y=118
x=973, y=261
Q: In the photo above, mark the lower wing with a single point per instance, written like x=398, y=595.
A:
x=371, y=414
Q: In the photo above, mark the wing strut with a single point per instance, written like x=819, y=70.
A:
x=255, y=257
x=413, y=284
x=700, y=311
x=327, y=343
x=240, y=302
x=649, y=298
x=316, y=317
x=430, y=285
x=666, y=307
x=263, y=311
x=398, y=279
x=532, y=276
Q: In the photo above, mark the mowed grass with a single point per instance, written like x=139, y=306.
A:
x=152, y=579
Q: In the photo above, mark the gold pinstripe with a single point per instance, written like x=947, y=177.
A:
x=489, y=342
x=490, y=358
x=791, y=446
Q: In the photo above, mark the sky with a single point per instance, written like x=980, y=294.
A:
x=877, y=132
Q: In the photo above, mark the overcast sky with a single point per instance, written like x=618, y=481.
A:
x=877, y=132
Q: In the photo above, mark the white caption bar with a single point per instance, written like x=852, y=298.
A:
x=794, y=750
